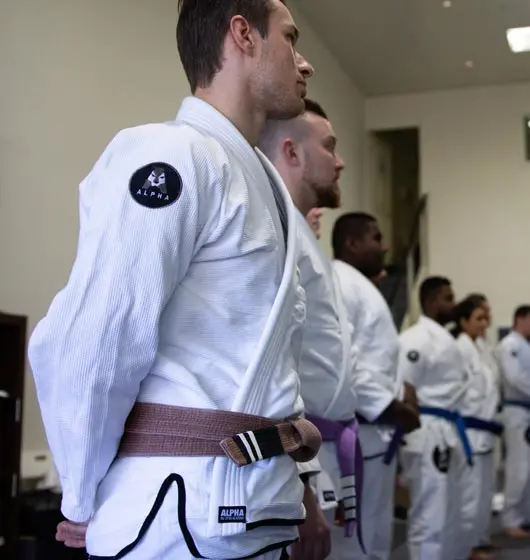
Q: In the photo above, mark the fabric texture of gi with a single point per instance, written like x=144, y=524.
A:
x=184, y=292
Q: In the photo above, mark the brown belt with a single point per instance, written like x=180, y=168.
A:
x=156, y=430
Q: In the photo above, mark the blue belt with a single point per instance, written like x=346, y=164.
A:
x=393, y=446
x=457, y=419
x=395, y=442
x=515, y=402
x=491, y=426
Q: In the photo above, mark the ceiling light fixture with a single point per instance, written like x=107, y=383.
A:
x=519, y=39
x=470, y=63
x=447, y=3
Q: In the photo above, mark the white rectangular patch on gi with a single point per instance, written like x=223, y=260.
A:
x=237, y=514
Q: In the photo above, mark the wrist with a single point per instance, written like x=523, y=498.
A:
x=305, y=477
x=390, y=411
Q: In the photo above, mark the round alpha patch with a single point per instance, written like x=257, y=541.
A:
x=514, y=353
x=156, y=185
x=441, y=459
x=413, y=356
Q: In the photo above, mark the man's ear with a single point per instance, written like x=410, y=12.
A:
x=352, y=244
x=291, y=153
x=243, y=34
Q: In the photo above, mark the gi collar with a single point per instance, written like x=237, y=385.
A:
x=435, y=328
x=201, y=115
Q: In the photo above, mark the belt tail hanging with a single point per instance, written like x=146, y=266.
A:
x=352, y=486
x=393, y=446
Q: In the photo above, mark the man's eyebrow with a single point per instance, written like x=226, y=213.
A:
x=295, y=31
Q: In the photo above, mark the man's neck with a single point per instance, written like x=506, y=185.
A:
x=520, y=332
x=296, y=190
x=433, y=317
x=237, y=108
x=352, y=262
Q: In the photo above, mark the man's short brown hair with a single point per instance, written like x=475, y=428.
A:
x=201, y=30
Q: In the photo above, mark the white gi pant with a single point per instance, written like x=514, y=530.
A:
x=488, y=476
x=377, y=509
x=434, y=513
x=476, y=488
x=126, y=497
x=517, y=479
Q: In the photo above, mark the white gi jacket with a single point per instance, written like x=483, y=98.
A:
x=192, y=302
x=376, y=339
x=514, y=357
x=430, y=359
x=487, y=353
x=327, y=357
x=481, y=397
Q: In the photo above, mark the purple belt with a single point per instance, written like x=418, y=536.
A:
x=350, y=457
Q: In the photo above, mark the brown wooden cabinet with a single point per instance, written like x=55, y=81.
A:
x=13, y=332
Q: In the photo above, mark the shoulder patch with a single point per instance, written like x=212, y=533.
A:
x=514, y=353
x=156, y=185
x=413, y=356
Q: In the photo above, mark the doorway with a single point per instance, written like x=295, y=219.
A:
x=394, y=183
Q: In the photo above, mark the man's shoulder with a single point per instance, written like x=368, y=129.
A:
x=157, y=164
x=177, y=138
x=510, y=343
x=414, y=334
x=346, y=271
x=353, y=279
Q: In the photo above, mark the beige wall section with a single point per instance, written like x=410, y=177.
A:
x=73, y=73
x=344, y=104
x=472, y=165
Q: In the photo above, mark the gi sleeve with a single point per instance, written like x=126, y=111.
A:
x=512, y=368
x=310, y=469
x=373, y=398
x=149, y=198
x=400, y=390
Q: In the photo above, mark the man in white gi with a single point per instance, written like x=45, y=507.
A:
x=431, y=360
x=488, y=354
x=359, y=257
x=303, y=150
x=166, y=363
x=514, y=358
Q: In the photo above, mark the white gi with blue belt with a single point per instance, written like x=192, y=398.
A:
x=184, y=292
x=476, y=483
x=514, y=358
x=431, y=361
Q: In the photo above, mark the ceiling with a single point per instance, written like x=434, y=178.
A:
x=404, y=46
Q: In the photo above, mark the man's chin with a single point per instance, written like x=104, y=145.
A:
x=288, y=110
x=330, y=201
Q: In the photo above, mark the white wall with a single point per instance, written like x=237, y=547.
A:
x=73, y=73
x=473, y=168
x=345, y=107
